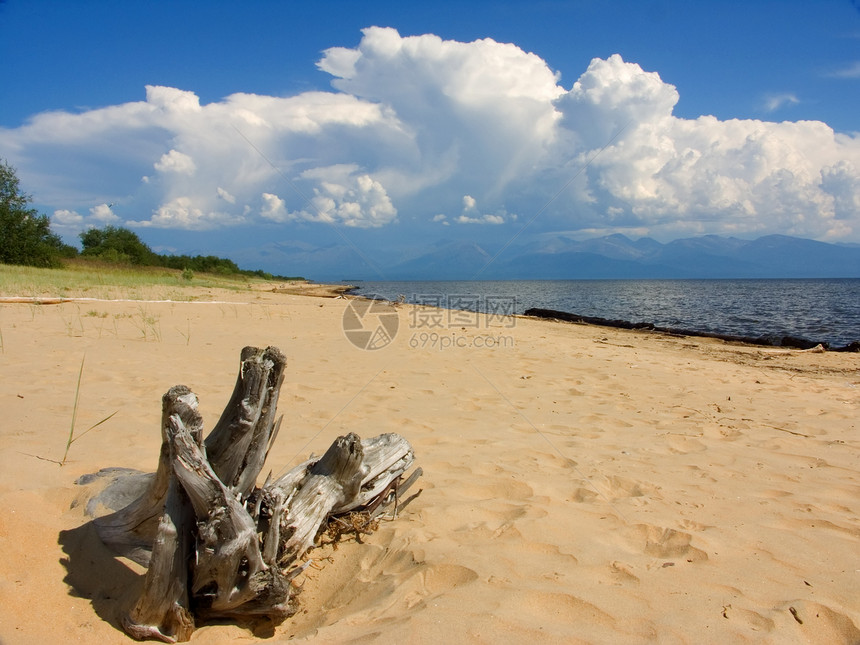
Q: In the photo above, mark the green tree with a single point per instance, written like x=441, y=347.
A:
x=25, y=235
x=116, y=244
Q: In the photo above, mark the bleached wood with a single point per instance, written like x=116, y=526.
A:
x=216, y=544
x=386, y=458
x=163, y=612
x=334, y=480
x=131, y=531
x=239, y=442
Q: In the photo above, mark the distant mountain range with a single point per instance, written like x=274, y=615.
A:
x=560, y=257
x=711, y=256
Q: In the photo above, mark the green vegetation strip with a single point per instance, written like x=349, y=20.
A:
x=83, y=278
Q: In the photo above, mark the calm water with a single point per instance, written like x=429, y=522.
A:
x=819, y=310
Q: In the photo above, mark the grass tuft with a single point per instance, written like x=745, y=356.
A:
x=72, y=437
x=185, y=335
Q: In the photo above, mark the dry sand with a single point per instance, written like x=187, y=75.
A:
x=581, y=484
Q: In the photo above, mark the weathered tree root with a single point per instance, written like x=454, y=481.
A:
x=214, y=543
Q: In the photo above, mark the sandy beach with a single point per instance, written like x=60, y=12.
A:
x=581, y=484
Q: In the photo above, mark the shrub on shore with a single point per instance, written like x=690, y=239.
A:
x=25, y=235
x=26, y=239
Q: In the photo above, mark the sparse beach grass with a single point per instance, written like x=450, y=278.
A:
x=72, y=438
x=87, y=279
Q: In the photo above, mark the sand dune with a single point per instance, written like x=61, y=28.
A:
x=580, y=484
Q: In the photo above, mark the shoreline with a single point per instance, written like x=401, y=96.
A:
x=782, y=341
x=324, y=290
x=583, y=483
x=804, y=324
x=204, y=295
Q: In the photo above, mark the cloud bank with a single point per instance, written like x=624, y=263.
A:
x=420, y=133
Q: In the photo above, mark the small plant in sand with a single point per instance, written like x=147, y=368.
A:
x=116, y=319
x=148, y=325
x=100, y=317
x=72, y=438
x=73, y=327
x=186, y=334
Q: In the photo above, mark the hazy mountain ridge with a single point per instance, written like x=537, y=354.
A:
x=560, y=257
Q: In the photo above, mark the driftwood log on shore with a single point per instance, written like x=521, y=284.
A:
x=215, y=544
x=781, y=341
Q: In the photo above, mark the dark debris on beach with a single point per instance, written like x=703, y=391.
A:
x=780, y=341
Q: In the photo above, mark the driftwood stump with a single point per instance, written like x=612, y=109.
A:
x=215, y=544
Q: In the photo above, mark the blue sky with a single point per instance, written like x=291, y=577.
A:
x=218, y=127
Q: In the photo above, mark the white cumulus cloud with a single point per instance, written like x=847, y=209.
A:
x=64, y=220
x=67, y=221
x=419, y=125
x=471, y=214
x=274, y=208
x=664, y=174
x=347, y=197
x=102, y=215
x=226, y=196
x=481, y=219
x=175, y=161
x=182, y=214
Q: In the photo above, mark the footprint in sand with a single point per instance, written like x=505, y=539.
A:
x=437, y=579
x=498, y=489
x=698, y=473
x=729, y=433
x=622, y=573
x=550, y=607
x=584, y=495
x=384, y=579
x=661, y=542
x=690, y=525
x=682, y=445
x=752, y=619
x=621, y=487
x=815, y=623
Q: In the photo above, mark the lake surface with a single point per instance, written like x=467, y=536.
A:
x=819, y=310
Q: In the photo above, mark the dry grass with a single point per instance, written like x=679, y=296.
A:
x=88, y=279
